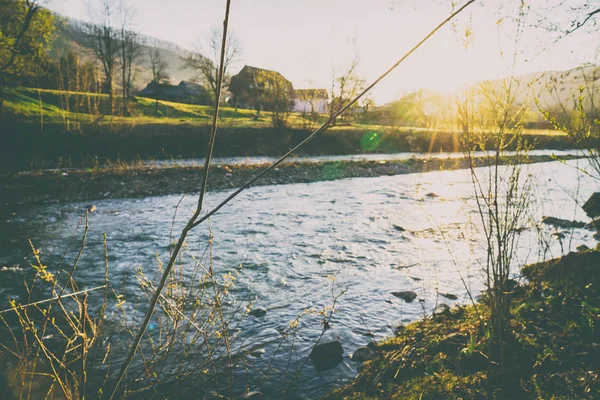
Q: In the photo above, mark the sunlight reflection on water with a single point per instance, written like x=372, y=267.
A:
x=379, y=234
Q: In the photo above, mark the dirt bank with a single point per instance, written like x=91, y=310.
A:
x=89, y=185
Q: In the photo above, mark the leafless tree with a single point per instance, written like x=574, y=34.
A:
x=158, y=66
x=345, y=86
x=565, y=17
x=131, y=51
x=205, y=58
x=103, y=40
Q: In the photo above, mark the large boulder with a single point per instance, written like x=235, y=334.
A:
x=592, y=206
x=408, y=295
x=258, y=312
x=327, y=355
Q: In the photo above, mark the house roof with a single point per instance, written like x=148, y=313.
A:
x=185, y=88
x=255, y=70
x=192, y=88
x=162, y=89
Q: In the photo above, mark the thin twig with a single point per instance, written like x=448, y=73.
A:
x=194, y=221
x=330, y=120
x=52, y=299
x=189, y=225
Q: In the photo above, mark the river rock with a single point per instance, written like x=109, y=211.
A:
x=432, y=195
x=408, y=295
x=441, y=308
x=449, y=296
x=258, y=312
x=362, y=354
x=399, y=228
x=582, y=247
x=562, y=223
x=326, y=355
x=593, y=225
x=558, y=235
x=253, y=396
x=257, y=352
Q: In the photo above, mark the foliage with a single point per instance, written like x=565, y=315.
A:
x=26, y=31
x=577, y=114
x=502, y=196
x=410, y=110
x=263, y=90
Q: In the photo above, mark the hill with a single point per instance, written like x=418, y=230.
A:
x=552, y=90
x=71, y=37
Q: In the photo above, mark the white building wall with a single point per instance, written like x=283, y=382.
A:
x=320, y=106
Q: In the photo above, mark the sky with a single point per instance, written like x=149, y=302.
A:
x=309, y=41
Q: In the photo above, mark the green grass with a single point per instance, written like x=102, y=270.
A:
x=55, y=106
x=550, y=344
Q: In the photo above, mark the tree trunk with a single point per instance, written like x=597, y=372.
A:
x=1, y=101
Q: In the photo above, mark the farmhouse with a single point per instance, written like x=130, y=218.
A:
x=261, y=89
x=185, y=92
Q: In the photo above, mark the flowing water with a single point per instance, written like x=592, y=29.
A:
x=374, y=235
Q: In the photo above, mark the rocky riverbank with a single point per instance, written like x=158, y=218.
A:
x=131, y=182
x=550, y=344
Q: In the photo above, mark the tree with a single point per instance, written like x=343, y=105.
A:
x=26, y=31
x=278, y=98
x=574, y=111
x=345, y=87
x=131, y=51
x=103, y=40
x=206, y=63
x=262, y=89
x=158, y=66
x=565, y=17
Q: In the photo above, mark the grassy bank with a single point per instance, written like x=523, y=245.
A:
x=48, y=128
x=551, y=344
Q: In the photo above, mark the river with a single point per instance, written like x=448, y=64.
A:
x=416, y=232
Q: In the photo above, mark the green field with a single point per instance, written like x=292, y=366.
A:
x=46, y=127
x=53, y=107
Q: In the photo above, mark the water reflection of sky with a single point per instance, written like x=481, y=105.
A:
x=291, y=239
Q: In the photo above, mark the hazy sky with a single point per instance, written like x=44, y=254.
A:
x=306, y=40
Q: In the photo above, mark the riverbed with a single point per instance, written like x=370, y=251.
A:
x=366, y=237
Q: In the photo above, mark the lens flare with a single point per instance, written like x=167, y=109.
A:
x=370, y=141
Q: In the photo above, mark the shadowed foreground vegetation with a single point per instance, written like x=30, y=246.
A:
x=551, y=349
